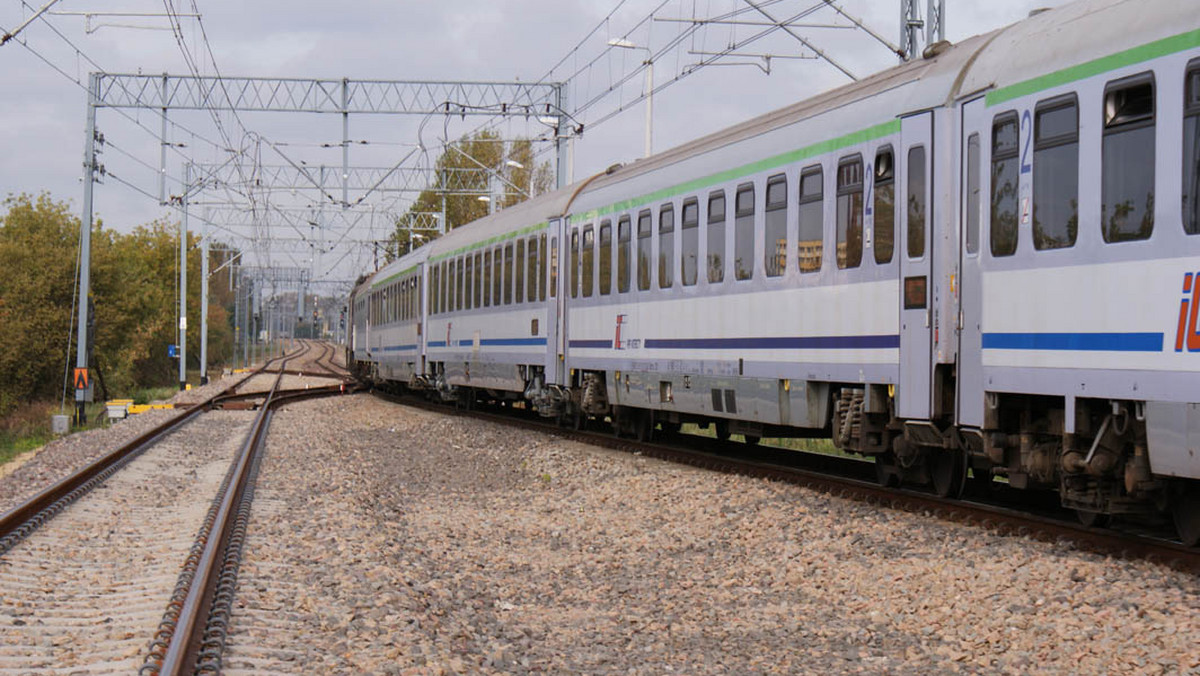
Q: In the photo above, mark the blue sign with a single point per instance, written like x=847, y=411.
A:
x=172, y=351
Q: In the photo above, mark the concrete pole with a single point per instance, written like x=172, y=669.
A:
x=560, y=145
x=85, y=242
x=204, y=303
x=183, y=230
x=649, y=105
x=237, y=318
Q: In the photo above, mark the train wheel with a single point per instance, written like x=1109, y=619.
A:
x=1185, y=509
x=752, y=439
x=1093, y=519
x=644, y=422
x=885, y=473
x=722, y=430
x=948, y=469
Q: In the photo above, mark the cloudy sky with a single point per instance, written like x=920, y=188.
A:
x=42, y=109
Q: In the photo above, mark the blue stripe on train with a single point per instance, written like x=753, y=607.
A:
x=1082, y=342
x=877, y=342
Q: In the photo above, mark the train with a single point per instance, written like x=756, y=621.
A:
x=979, y=265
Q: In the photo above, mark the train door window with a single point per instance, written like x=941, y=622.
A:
x=497, y=276
x=542, y=267
x=1127, y=160
x=850, y=212
x=605, y=262
x=519, y=272
x=1005, y=143
x=812, y=218
x=623, y=243
x=487, y=278
x=508, y=273
x=531, y=276
x=478, y=279
x=469, y=276
x=716, y=237
x=689, y=242
x=643, y=250
x=588, y=254
x=1191, y=151
x=554, y=267
x=973, y=172
x=775, y=227
x=666, y=246
x=1056, y=173
x=743, y=232
x=884, y=206
x=916, y=202
x=573, y=263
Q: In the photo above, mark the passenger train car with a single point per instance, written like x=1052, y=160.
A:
x=987, y=259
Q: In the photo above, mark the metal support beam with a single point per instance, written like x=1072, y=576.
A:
x=204, y=303
x=183, y=229
x=85, y=246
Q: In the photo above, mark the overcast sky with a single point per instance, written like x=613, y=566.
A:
x=42, y=111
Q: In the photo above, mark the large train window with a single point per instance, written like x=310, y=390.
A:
x=519, y=272
x=542, y=267
x=469, y=284
x=1056, y=173
x=973, y=172
x=573, y=263
x=1005, y=143
x=643, y=250
x=605, y=257
x=487, y=278
x=1191, y=150
x=460, y=287
x=812, y=219
x=478, y=295
x=623, y=244
x=554, y=267
x=1127, y=160
x=916, y=202
x=775, y=230
x=743, y=232
x=588, y=255
x=508, y=273
x=884, y=205
x=435, y=277
x=689, y=242
x=531, y=274
x=497, y=277
x=666, y=246
x=716, y=237
x=850, y=212
x=450, y=286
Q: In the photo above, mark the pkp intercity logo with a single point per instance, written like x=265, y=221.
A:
x=1185, y=333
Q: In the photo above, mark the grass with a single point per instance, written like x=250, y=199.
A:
x=149, y=394
x=28, y=427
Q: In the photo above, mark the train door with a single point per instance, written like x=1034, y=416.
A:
x=916, y=265
x=554, y=314
x=974, y=138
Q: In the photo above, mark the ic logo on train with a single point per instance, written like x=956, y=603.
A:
x=1186, y=332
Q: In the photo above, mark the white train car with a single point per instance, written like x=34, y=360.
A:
x=386, y=319
x=983, y=261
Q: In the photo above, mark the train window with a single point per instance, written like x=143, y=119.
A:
x=689, y=242
x=460, y=287
x=1191, y=151
x=542, y=267
x=554, y=267
x=573, y=263
x=884, y=206
x=666, y=246
x=588, y=254
x=916, y=202
x=812, y=218
x=487, y=278
x=643, y=250
x=478, y=280
x=716, y=237
x=497, y=277
x=449, y=286
x=850, y=212
x=775, y=232
x=623, y=240
x=434, y=291
x=519, y=272
x=1005, y=144
x=743, y=232
x=508, y=273
x=1056, y=173
x=447, y=289
x=531, y=276
x=469, y=276
x=972, y=236
x=1127, y=160
x=605, y=257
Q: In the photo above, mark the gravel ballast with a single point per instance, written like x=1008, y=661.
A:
x=386, y=539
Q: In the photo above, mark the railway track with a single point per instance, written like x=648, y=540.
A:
x=850, y=478
x=86, y=578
